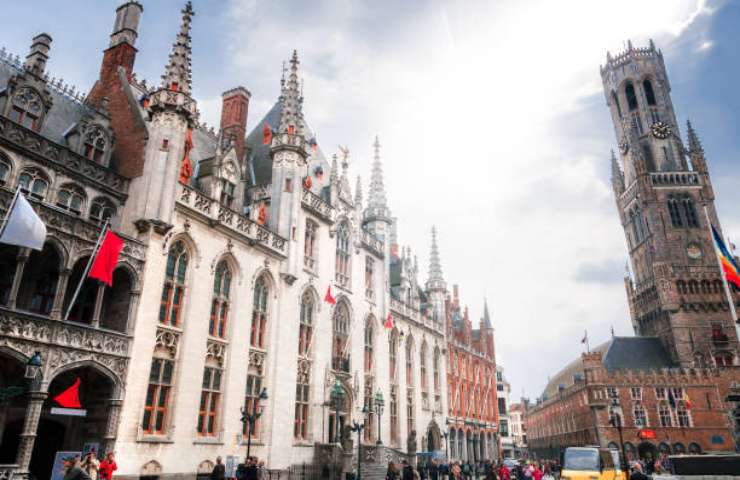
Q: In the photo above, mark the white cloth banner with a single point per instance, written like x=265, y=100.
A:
x=23, y=227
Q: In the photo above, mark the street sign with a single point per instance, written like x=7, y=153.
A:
x=72, y=412
x=646, y=434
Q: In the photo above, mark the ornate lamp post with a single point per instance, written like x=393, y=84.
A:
x=249, y=418
x=379, y=404
x=337, y=395
x=616, y=422
x=33, y=367
x=359, y=427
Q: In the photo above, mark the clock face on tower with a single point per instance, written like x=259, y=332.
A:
x=660, y=130
x=694, y=251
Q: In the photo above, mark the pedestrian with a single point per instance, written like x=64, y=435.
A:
x=241, y=470
x=537, y=473
x=72, y=470
x=91, y=465
x=636, y=472
x=456, y=471
x=107, y=467
x=434, y=470
x=407, y=471
x=392, y=472
x=219, y=470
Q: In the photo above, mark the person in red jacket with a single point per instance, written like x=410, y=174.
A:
x=537, y=473
x=107, y=467
x=504, y=473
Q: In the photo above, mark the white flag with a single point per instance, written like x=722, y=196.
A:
x=23, y=227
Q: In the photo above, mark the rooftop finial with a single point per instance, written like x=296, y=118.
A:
x=177, y=74
x=486, y=315
x=358, y=193
x=694, y=143
x=291, y=115
x=436, y=280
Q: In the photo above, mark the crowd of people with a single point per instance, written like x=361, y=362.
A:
x=89, y=467
x=486, y=470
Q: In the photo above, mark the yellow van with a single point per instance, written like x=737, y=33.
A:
x=591, y=463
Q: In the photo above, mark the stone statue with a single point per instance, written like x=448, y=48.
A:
x=411, y=443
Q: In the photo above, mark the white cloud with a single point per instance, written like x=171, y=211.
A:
x=471, y=100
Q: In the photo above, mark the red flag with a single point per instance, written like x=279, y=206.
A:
x=186, y=168
x=106, y=259
x=389, y=322
x=328, y=298
x=70, y=398
x=307, y=182
x=266, y=134
x=262, y=214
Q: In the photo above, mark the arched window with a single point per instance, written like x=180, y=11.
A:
x=343, y=255
x=8, y=267
x=27, y=108
x=72, y=198
x=723, y=359
x=305, y=330
x=210, y=401
x=690, y=212
x=220, y=301
x=393, y=355
x=101, y=210
x=615, y=101
x=694, y=448
x=5, y=168
x=302, y=402
x=435, y=369
x=423, y=367
x=369, y=345
x=681, y=286
x=259, y=313
x=640, y=415
x=95, y=144
x=679, y=449
x=340, y=333
x=649, y=93
x=664, y=415
x=39, y=282
x=693, y=286
x=83, y=309
x=629, y=92
x=410, y=362
x=173, y=292
x=452, y=446
x=116, y=301
x=675, y=213
x=34, y=183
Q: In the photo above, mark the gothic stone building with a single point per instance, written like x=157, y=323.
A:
x=669, y=385
x=471, y=384
x=231, y=243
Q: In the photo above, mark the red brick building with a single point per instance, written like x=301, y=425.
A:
x=471, y=384
x=630, y=379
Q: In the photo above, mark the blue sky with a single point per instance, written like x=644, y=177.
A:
x=492, y=120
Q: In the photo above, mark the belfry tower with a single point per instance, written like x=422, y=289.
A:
x=662, y=190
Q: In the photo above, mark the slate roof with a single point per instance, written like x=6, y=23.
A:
x=619, y=353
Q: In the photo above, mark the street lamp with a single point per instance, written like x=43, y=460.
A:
x=337, y=394
x=446, y=434
x=616, y=421
x=379, y=404
x=358, y=427
x=249, y=419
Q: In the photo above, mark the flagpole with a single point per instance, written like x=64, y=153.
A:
x=10, y=209
x=728, y=293
x=87, y=270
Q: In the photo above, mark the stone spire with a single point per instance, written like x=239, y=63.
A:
x=377, y=206
x=177, y=74
x=291, y=115
x=436, y=280
x=617, y=176
x=39, y=54
x=486, y=315
x=696, y=151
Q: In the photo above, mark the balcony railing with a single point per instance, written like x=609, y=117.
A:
x=235, y=222
x=317, y=205
x=373, y=243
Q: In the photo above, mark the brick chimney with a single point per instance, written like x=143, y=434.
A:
x=234, y=107
x=121, y=51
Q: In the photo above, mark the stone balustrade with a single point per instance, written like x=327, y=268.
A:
x=317, y=205
x=219, y=215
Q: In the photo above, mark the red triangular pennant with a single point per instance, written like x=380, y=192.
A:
x=70, y=398
x=328, y=298
x=389, y=322
x=107, y=258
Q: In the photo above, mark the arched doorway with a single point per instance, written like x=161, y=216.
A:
x=647, y=452
x=85, y=428
x=13, y=410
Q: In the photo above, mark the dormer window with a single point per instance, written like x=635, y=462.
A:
x=34, y=183
x=71, y=198
x=27, y=108
x=95, y=144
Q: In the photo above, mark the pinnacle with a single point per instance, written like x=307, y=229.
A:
x=694, y=143
x=177, y=74
x=377, y=201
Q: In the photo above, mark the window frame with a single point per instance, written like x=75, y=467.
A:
x=218, y=321
x=260, y=313
x=210, y=402
x=156, y=404
x=175, y=285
